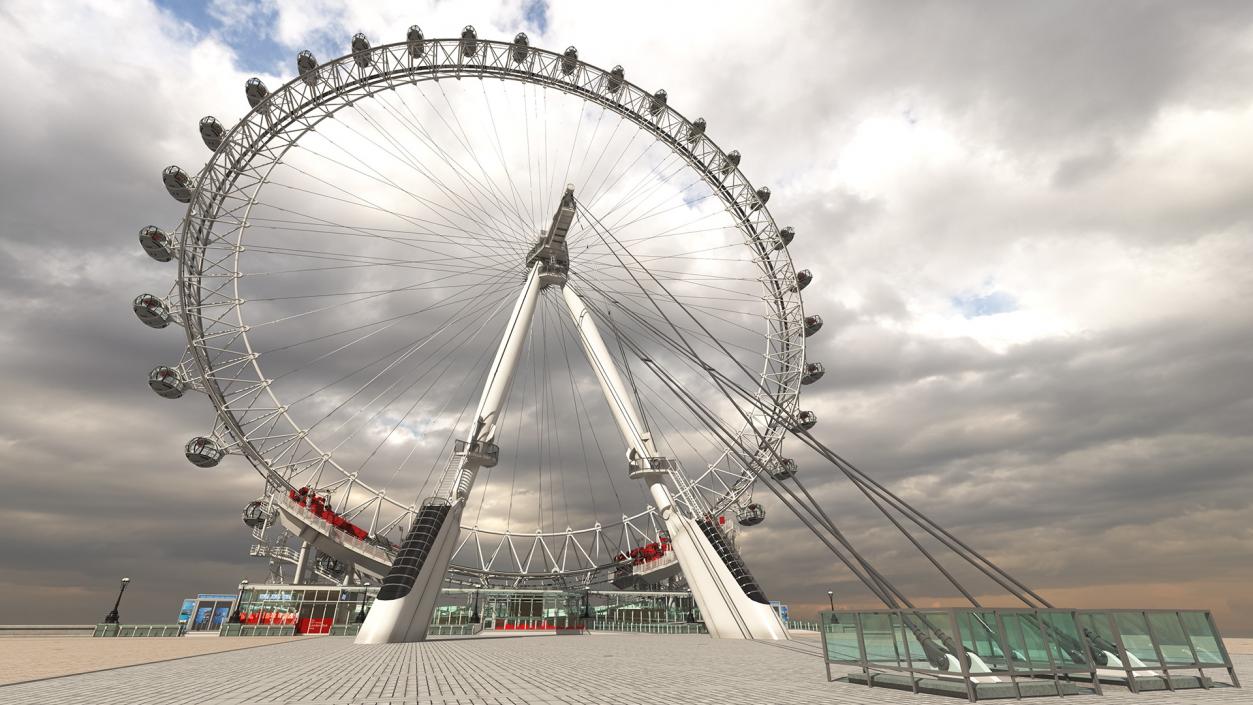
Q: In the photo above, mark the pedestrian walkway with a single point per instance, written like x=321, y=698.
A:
x=513, y=669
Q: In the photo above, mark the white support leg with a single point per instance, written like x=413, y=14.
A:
x=402, y=612
x=728, y=610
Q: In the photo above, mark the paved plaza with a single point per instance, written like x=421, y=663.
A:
x=32, y=658
x=596, y=669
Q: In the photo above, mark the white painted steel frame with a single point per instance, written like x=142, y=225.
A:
x=727, y=611
x=250, y=418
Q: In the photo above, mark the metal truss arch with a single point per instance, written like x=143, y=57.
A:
x=252, y=419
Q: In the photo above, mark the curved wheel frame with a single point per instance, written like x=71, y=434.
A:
x=253, y=422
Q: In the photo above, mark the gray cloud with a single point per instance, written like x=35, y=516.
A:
x=1089, y=161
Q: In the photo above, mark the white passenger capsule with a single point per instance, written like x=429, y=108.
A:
x=786, y=236
x=805, y=420
x=256, y=91
x=203, y=452
x=813, y=324
x=416, y=41
x=696, y=131
x=469, y=41
x=156, y=243
x=151, y=311
x=177, y=183
x=211, y=132
x=813, y=372
x=614, y=79
x=785, y=470
x=361, y=50
x=307, y=68
x=569, y=60
x=166, y=382
x=521, y=48
x=762, y=197
x=803, y=278
x=658, y=103
x=730, y=162
x=254, y=514
x=751, y=515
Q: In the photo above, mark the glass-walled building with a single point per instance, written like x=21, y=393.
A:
x=317, y=609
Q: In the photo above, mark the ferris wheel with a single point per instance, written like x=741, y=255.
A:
x=437, y=292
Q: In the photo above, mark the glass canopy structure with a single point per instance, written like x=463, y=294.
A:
x=984, y=653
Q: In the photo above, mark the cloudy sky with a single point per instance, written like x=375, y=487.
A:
x=1030, y=225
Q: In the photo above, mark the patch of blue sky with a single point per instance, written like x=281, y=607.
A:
x=250, y=34
x=535, y=13
x=976, y=305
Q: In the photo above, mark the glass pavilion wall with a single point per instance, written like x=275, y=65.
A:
x=1022, y=652
x=323, y=609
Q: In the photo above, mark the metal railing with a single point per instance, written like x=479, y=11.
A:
x=230, y=629
x=602, y=625
x=137, y=630
x=347, y=540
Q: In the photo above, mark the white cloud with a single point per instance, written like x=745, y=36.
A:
x=1109, y=200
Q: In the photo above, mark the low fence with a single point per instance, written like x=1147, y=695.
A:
x=994, y=653
x=7, y=630
x=601, y=625
x=230, y=629
x=137, y=630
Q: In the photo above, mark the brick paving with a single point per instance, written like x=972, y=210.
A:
x=597, y=669
x=24, y=658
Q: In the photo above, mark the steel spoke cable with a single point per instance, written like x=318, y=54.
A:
x=466, y=303
x=371, y=172
x=463, y=238
x=425, y=136
x=485, y=186
x=374, y=232
x=400, y=378
x=510, y=225
x=877, y=584
x=330, y=256
x=483, y=225
x=499, y=195
x=342, y=304
x=395, y=352
x=378, y=176
x=373, y=207
x=830, y=525
x=547, y=304
x=413, y=163
x=868, y=486
x=752, y=398
x=391, y=319
x=515, y=195
x=448, y=358
x=563, y=329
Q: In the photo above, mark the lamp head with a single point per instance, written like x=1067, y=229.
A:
x=126, y=580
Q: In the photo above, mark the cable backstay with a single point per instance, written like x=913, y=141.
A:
x=872, y=490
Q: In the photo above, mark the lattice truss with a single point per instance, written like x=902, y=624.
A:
x=246, y=192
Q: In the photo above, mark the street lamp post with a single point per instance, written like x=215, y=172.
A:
x=112, y=617
x=831, y=599
x=239, y=603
